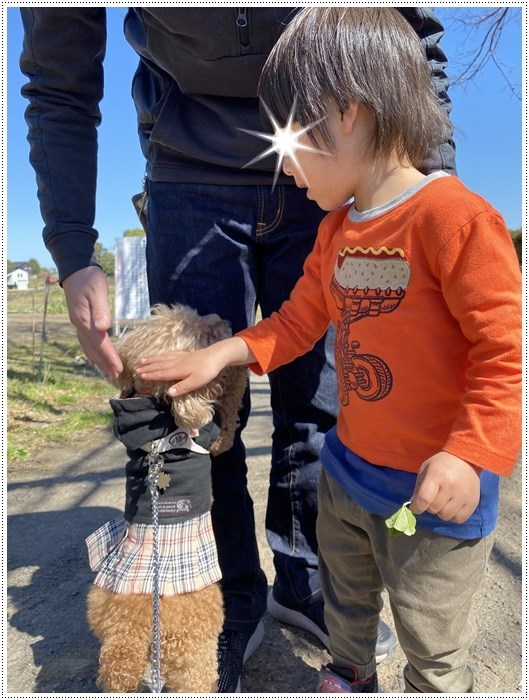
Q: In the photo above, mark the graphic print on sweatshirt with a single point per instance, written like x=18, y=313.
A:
x=366, y=282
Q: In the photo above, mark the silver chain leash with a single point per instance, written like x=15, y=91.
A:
x=155, y=462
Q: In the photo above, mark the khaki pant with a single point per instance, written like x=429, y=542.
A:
x=430, y=581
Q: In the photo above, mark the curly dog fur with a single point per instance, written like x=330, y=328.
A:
x=181, y=328
x=191, y=622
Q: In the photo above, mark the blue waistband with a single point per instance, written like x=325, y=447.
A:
x=382, y=490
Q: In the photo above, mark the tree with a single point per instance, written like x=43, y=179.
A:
x=133, y=232
x=35, y=267
x=484, y=31
x=516, y=236
x=105, y=258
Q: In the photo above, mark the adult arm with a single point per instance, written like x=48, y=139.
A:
x=62, y=57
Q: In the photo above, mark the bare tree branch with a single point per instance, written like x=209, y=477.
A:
x=484, y=30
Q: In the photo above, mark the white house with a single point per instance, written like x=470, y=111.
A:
x=18, y=278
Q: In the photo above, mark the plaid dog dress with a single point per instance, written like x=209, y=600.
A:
x=121, y=551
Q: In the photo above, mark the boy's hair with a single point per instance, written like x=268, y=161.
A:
x=369, y=55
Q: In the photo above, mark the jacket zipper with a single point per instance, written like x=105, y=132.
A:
x=244, y=31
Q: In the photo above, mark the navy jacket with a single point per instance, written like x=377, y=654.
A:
x=194, y=89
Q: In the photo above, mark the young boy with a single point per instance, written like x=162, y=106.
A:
x=421, y=280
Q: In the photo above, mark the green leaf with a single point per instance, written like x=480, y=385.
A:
x=394, y=533
x=402, y=522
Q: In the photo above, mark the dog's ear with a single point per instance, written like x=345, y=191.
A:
x=234, y=381
x=218, y=329
x=197, y=408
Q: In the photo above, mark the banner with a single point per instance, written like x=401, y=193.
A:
x=130, y=270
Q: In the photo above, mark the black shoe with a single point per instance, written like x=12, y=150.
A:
x=234, y=650
x=310, y=618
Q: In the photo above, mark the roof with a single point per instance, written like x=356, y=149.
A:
x=11, y=266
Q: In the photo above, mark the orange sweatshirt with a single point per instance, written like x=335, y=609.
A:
x=425, y=295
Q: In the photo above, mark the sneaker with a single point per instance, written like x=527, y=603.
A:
x=331, y=682
x=386, y=642
x=310, y=618
x=234, y=650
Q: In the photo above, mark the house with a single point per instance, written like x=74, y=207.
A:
x=18, y=276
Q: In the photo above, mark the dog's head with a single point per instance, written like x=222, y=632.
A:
x=167, y=329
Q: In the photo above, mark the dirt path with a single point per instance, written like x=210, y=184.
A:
x=59, y=498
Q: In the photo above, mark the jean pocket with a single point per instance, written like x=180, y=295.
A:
x=139, y=202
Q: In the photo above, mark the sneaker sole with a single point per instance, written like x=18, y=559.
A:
x=297, y=619
x=254, y=643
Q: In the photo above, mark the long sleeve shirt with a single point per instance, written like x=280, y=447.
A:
x=425, y=295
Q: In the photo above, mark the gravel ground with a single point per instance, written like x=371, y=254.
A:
x=59, y=498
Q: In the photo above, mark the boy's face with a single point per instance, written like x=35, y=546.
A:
x=334, y=178
x=327, y=177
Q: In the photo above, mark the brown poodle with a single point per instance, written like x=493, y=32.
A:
x=183, y=432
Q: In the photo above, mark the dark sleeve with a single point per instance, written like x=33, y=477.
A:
x=62, y=57
x=430, y=31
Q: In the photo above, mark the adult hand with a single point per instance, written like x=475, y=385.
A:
x=448, y=487
x=86, y=294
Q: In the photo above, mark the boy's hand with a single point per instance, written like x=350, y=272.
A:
x=189, y=370
x=448, y=487
x=193, y=370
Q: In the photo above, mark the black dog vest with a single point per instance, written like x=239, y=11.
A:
x=140, y=421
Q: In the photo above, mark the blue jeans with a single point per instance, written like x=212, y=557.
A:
x=227, y=250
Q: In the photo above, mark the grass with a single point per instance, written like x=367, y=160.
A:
x=69, y=401
x=31, y=301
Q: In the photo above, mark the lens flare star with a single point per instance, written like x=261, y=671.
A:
x=284, y=141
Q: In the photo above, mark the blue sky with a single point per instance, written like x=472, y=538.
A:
x=488, y=119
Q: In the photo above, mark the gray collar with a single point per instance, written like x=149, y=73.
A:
x=360, y=216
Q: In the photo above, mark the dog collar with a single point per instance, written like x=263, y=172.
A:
x=180, y=439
